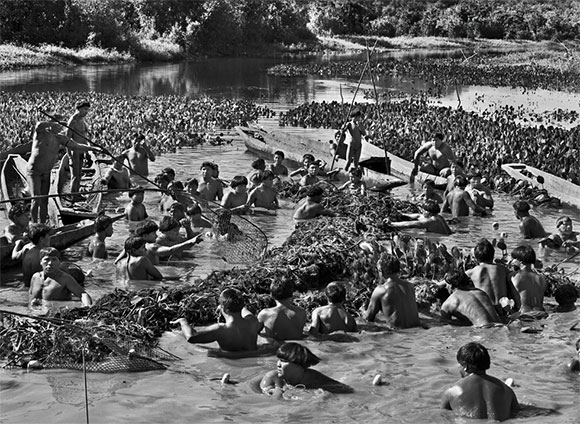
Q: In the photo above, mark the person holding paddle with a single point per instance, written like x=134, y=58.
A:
x=48, y=137
x=353, y=132
x=78, y=130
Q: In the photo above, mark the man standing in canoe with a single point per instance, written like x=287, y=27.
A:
x=78, y=131
x=440, y=157
x=354, y=132
x=48, y=137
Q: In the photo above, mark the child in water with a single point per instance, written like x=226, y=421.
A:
x=355, y=184
x=293, y=369
x=333, y=317
x=134, y=265
x=135, y=211
x=565, y=237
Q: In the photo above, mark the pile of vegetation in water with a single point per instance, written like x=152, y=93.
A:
x=319, y=251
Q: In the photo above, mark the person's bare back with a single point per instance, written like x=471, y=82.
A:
x=396, y=299
x=492, y=279
x=329, y=318
x=284, y=321
x=471, y=304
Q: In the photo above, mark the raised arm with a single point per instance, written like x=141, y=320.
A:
x=424, y=148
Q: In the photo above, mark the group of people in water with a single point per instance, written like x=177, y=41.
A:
x=486, y=295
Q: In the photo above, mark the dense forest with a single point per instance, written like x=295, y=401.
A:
x=230, y=27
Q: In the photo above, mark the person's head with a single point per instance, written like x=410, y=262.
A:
x=460, y=181
x=137, y=195
x=176, y=211
x=335, y=292
x=315, y=193
x=231, y=301
x=74, y=271
x=307, y=159
x=19, y=214
x=388, y=264
x=83, y=107
x=484, y=251
x=175, y=186
x=355, y=174
x=524, y=254
x=239, y=183
x=438, y=139
x=147, y=230
x=168, y=173
x=259, y=164
x=564, y=225
x=192, y=185
x=169, y=224
x=278, y=157
x=38, y=232
x=566, y=294
x=193, y=211
x=458, y=279
x=312, y=169
x=118, y=162
x=475, y=178
x=521, y=208
x=50, y=260
x=135, y=246
x=453, y=168
x=104, y=224
x=282, y=289
x=293, y=359
x=138, y=138
x=356, y=114
x=474, y=358
x=207, y=170
x=429, y=185
x=268, y=177
x=431, y=206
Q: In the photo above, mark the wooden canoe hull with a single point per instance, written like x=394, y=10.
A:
x=566, y=191
x=294, y=147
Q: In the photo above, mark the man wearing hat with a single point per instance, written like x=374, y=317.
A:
x=44, y=153
x=79, y=132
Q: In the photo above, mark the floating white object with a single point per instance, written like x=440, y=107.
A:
x=226, y=378
x=34, y=365
x=377, y=380
x=509, y=382
x=495, y=225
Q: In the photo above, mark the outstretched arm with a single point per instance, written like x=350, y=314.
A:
x=207, y=335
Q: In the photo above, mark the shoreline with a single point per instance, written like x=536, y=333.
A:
x=14, y=57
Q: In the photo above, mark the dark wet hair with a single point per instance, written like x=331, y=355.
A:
x=133, y=243
x=238, y=180
x=314, y=191
x=388, y=264
x=231, y=300
x=356, y=172
x=102, y=222
x=37, y=231
x=191, y=182
x=484, y=251
x=431, y=206
x=193, y=210
x=428, y=183
x=74, y=271
x=282, y=289
x=297, y=354
x=18, y=209
x=458, y=279
x=439, y=135
x=308, y=156
x=169, y=171
x=175, y=185
x=280, y=153
x=566, y=294
x=335, y=292
x=521, y=206
x=50, y=251
x=525, y=254
x=267, y=175
x=209, y=165
x=460, y=181
x=474, y=357
x=168, y=223
x=146, y=227
x=259, y=164
x=82, y=103
x=135, y=191
x=355, y=112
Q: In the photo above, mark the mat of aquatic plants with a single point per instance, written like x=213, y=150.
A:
x=120, y=332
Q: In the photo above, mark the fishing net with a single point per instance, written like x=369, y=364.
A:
x=59, y=344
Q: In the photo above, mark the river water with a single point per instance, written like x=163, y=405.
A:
x=417, y=365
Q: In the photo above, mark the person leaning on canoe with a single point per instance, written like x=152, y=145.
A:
x=440, y=157
x=48, y=137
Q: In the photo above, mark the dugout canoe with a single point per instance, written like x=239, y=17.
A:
x=294, y=146
x=20, y=149
x=74, y=211
x=566, y=191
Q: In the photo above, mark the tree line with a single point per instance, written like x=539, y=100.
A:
x=230, y=27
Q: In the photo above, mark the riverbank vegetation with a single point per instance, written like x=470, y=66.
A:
x=152, y=30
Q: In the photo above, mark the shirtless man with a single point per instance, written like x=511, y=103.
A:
x=459, y=202
x=239, y=332
x=530, y=227
x=44, y=153
x=285, y=321
x=277, y=167
x=97, y=249
x=492, y=278
x=354, y=133
x=264, y=196
x=440, y=155
x=53, y=284
x=138, y=156
x=19, y=216
x=480, y=194
x=29, y=253
x=310, y=207
x=255, y=176
x=210, y=187
x=147, y=230
x=393, y=296
x=236, y=199
x=467, y=302
x=430, y=220
x=529, y=284
x=78, y=131
x=117, y=176
x=310, y=178
x=332, y=317
x=133, y=264
x=478, y=395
